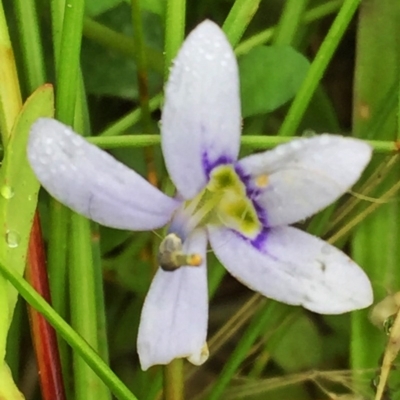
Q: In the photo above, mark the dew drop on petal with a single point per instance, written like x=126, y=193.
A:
x=7, y=192
x=326, y=249
x=13, y=238
x=76, y=141
x=325, y=139
x=296, y=144
x=280, y=150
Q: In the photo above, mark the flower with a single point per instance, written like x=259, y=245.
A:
x=242, y=207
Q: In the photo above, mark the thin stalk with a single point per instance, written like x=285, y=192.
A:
x=318, y=67
x=289, y=22
x=102, y=337
x=120, y=126
x=253, y=142
x=83, y=307
x=173, y=380
x=32, y=53
x=143, y=84
x=68, y=65
x=74, y=339
x=239, y=18
x=174, y=31
x=174, y=35
x=310, y=16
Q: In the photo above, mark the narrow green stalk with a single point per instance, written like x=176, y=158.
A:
x=10, y=95
x=57, y=18
x=239, y=18
x=318, y=67
x=254, y=142
x=266, y=35
x=123, y=124
x=173, y=380
x=174, y=31
x=56, y=263
x=141, y=63
x=32, y=53
x=83, y=307
x=74, y=339
x=291, y=18
x=102, y=337
x=174, y=35
x=68, y=65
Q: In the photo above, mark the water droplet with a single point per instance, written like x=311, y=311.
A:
x=326, y=249
x=280, y=150
x=325, y=139
x=76, y=140
x=7, y=192
x=296, y=144
x=13, y=238
x=309, y=133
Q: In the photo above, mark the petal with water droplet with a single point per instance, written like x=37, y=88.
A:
x=294, y=267
x=201, y=117
x=174, y=318
x=92, y=183
x=303, y=176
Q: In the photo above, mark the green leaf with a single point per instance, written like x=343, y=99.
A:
x=300, y=346
x=270, y=76
x=18, y=194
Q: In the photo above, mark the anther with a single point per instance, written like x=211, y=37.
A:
x=171, y=256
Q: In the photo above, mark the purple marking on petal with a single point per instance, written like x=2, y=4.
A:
x=210, y=165
x=252, y=192
x=259, y=241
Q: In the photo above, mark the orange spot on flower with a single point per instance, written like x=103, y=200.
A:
x=262, y=181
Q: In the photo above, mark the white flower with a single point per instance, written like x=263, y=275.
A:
x=242, y=207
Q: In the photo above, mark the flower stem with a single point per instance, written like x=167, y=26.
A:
x=173, y=380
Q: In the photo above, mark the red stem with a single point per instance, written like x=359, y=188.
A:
x=44, y=336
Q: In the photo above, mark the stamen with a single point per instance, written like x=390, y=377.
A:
x=171, y=256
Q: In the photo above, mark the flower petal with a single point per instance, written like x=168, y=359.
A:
x=294, y=267
x=91, y=182
x=201, y=117
x=174, y=318
x=297, y=179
